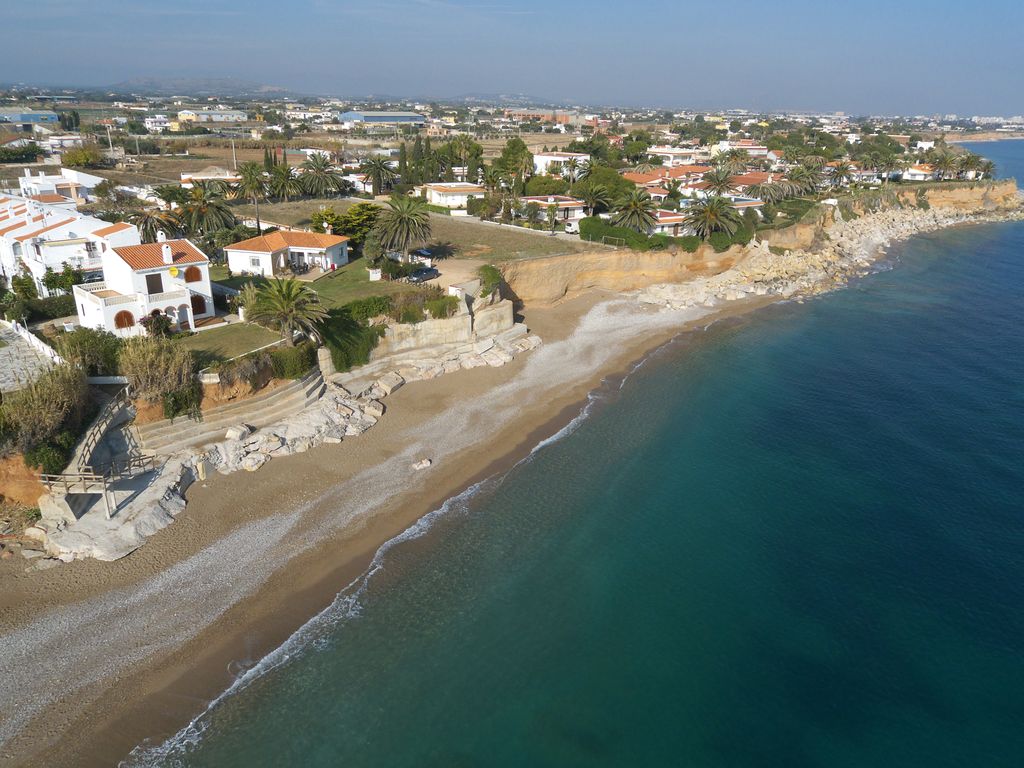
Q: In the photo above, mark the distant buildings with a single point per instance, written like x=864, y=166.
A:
x=556, y=116
x=211, y=116
x=19, y=116
x=157, y=123
x=363, y=118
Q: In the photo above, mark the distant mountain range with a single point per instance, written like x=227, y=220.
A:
x=198, y=86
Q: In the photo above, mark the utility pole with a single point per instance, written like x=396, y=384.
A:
x=234, y=159
x=110, y=143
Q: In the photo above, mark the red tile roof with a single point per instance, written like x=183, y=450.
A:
x=49, y=198
x=276, y=241
x=118, y=227
x=150, y=255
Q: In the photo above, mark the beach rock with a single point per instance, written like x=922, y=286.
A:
x=422, y=464
x=254, y=461
x=237, y=432
x=389, y=382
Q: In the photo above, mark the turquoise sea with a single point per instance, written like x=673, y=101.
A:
x=795, y=539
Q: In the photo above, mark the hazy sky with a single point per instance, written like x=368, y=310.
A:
x=864, y=56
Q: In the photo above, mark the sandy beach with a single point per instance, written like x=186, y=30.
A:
x=100, y=657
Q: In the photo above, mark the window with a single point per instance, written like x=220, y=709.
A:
x=124, y=319
x=193, y=275
x=255, y=262
x=154, y=284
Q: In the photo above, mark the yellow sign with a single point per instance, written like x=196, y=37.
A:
x=173, y=271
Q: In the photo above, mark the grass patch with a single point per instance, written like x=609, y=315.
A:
x=352, y=282
x=224, y=343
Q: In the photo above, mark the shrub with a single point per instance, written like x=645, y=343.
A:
x=372, y=306
x=52, y=307
x=349, y=340
x=37, y=412
x=247, y=368
x=596, y=229
x=490, y=279
x=442, y=308
x=439, y=209
x=47, y=458
x=720, y=241
x=689, y=243
x=396, y=270
x=184, y=402
x=156, y=367
x=293, y=362
x=95, y=351
x=24, y=286
x=157, y=325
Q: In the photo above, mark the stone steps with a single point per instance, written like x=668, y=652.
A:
x=166, y=438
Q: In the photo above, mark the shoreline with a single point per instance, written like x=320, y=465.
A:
x=108, y=720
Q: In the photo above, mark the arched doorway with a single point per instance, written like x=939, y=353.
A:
x=124, y=319
x=198, y=305
x=183, y=320
x=172, y=313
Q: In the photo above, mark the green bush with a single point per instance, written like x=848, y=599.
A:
x=410, y=314
x=349, y=340
x=596, y=229
x=490, y=279
x=690, y=243
x=293, y=362
x=52, y=307
x=372, y=306
x=396, y=270
x=439, y=209
x=48, y=458
x=720, y=241
x=24, y=286
x=442, y=308
x=94, y=350
x=184, y=402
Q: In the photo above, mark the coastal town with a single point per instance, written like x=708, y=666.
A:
x=195, y=287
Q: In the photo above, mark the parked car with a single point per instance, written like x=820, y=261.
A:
x=423, y=274
x=572, y=226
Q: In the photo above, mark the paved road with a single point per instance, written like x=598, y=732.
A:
x=19, y=361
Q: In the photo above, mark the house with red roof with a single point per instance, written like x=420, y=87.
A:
x=168, y=277
x=284, y=252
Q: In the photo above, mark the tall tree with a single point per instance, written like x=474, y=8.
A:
x=841, y=173
x=404, y=221
x=636, y=211
x=712, y=214
x=319, y=176
x=205, y=211
x=284, y=183
x=153, y=220
x=594, y=196
x=719, y=181
x=290, y=305
x=252, y=185
x=381, y=174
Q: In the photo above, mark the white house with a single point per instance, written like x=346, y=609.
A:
x=453, y=194
x=671, y=223
x=360, y=181
x=157, y=123
x=76, y=185
x=552, y=162
x=673, y=156
x=47, y=232
x=279, y=252
x=568, y=207
x=922, y=172
x=168, y=277
x=211, y=116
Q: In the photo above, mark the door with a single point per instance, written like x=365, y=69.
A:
x=198, y=305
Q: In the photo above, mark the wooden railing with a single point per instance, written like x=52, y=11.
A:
x=98, y=479
x=99, y=427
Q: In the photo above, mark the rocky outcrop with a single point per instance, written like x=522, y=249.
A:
x=850, y=249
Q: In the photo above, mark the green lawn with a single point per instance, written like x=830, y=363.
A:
x=225, y=342
x=346, y=284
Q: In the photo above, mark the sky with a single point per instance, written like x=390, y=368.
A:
x=861, y=57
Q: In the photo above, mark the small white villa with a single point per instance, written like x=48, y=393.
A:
x=452, y=194
x=281, y=252
x=168, y=277
x=568, y=207
x=552, y=162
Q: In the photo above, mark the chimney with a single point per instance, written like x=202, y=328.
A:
x=28, y=172
x=161, y=236
x=165, y=250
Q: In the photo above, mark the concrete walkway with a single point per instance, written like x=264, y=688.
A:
x=19, y=362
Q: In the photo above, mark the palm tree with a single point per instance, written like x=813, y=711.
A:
x=404, y=222
x=805, y=179
x=571, y=170
x=968, y=163
x=153, y=220
x=248, y=297
x=594, y=196
x=252, y=185
x=552, y=217
x=492, y=178
x=636, y=211
x=733, y=160
x=988, y=169
x=284, y=183
x=205, y=211
x=290, y=305
x=381, y=174
x=712, y=214
x=586, y=167
x=814, y=161
x=719, y=181
x=319, y=176
x=840, y=173
x=644, y=167
x=945, y=164
x=769, y=191
x=170, y=194
x=888, y=165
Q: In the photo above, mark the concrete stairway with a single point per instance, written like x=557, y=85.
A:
x=164, y=437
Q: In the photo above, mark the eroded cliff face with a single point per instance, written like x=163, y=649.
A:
x=543, y=281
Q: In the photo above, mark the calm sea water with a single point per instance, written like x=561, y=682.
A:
x=793, y=540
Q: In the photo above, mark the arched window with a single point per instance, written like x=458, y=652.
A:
x=124, y=319
x=193, y=275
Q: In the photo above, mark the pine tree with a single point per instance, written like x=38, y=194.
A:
x=403, y=163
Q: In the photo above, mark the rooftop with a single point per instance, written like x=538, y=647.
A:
x=276, y=241
x=150, y=255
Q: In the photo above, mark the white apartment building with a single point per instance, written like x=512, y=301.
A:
x=69, y=183
x=552, y=162
x=211, y=116
x=157, y=123
x=168, y=277
x=35, y=235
